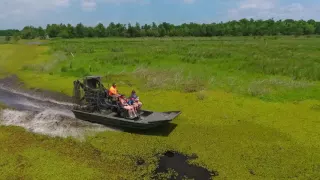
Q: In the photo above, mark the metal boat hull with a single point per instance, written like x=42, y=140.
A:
x=149, y=119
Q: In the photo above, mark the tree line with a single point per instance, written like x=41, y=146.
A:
x=8, y=32
x=243, y=27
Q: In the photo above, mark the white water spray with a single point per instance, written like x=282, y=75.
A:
x=44, y=116
x=49, y=122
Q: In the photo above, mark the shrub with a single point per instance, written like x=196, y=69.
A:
x=315, y=107
x=117, y=49
x=201, y=95
x=7, y=38
x=88, y=50
x=193, y=85
x=258, y=91
x=64, y=69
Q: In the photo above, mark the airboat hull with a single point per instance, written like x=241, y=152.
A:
x=148, y=119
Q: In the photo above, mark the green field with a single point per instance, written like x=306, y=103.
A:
x=250, y=106
x=2, y=39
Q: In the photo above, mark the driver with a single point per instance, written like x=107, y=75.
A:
x=113, y=92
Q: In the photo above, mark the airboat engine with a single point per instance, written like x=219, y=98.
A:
x=76, y=92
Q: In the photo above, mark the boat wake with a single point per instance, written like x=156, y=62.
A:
x=49, y=122
x=44, y=117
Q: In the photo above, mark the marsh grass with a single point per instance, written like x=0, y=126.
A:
x=42, y=157
x=289, y=58
x=228, y=118
x=204, y=57
x=267, y=86
x=117, y=49
x=169, y=79
x=201, y=95
x=315, y=107
x=232, y=64
x=2, y=40
x=157, y=79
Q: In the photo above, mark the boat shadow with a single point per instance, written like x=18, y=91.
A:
x=163, y=130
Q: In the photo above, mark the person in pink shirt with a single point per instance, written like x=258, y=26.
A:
x=124, y=104
x=134, y=100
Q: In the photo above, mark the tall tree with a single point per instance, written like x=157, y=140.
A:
x=80, y=30
x=29, y=32
x=53, y=30
x=41, y=33
x=100, y=30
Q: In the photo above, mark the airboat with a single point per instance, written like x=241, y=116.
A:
x=93, y=104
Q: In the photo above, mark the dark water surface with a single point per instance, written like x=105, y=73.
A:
x=23, y=102
x=179, y=163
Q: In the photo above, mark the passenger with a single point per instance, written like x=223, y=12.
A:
x=134, y=100
x=125, y=105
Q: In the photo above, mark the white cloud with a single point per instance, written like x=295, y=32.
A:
x=261, y=9
x=257, y=4
x=88, y=5
x=189, y=1
x=20, y=9
x=126, y=1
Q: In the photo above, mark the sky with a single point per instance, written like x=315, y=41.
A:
x=19, y=13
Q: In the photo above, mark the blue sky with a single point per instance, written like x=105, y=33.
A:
x=18, y=13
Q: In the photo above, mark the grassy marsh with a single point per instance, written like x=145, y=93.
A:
x=250, y=105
